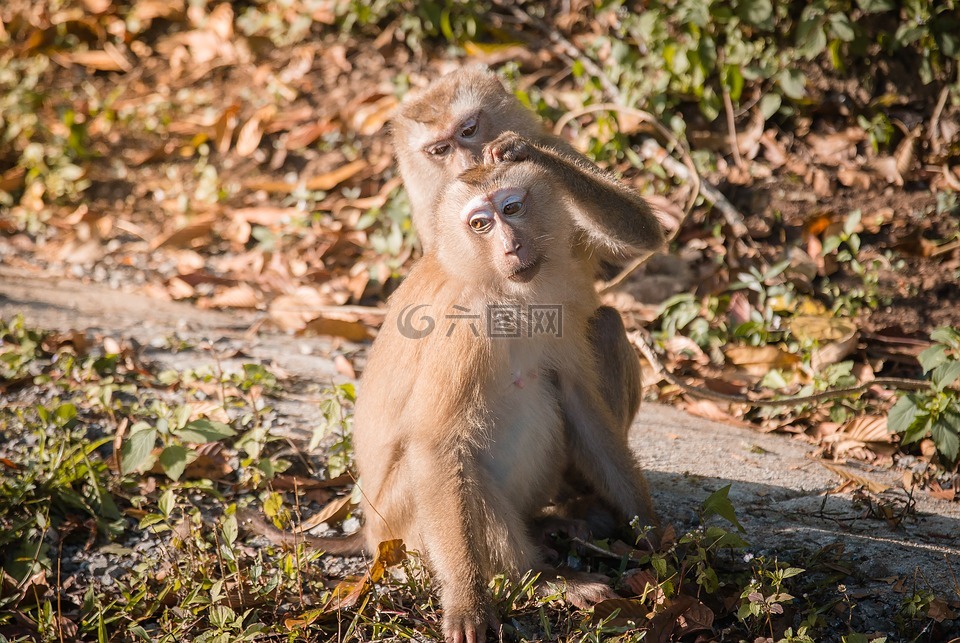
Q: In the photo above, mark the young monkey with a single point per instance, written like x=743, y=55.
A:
x=461, y=434
x=443, y=130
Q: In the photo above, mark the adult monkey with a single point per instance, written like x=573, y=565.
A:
x=460, y=434
x=440, y=132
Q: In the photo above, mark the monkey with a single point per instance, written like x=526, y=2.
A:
x=443, y=131
x=460, y=433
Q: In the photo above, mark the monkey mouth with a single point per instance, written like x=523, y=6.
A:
x=524, y=274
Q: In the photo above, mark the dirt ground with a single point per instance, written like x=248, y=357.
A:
x=782, y=496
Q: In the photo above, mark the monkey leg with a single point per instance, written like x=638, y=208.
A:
x=618, y=366
x=599, y=453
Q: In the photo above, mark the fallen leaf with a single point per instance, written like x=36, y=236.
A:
x=334, y=512
x=353, y=331
x=849, y=476
x=345, y=595
x=627, y=610
x=248, y=139
x=835, y=338
x=835, y=148
x=344, y=367
x=696, y=618
x=332, y=179
x=759, y=360
x=370, y=119
x=644, y=584
x=239, y=296
x=853, y=178
x=664, y=625
x=199, y=227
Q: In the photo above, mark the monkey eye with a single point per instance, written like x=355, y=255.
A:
x=440, y=149
x=513, y=207
x=468, y=128
x=480, y=223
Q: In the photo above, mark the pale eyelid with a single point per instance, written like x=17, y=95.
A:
x=480, y=217
x=513, y=196
x=467, y=123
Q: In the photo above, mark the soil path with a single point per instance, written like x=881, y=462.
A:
x=778, y=490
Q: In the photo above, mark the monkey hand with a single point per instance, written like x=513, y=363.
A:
x=509, y=147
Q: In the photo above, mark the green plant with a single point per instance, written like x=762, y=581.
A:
x=764, y=596
x=336, y=410
x=934, y=413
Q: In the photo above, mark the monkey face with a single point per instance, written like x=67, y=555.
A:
x=461, y=147
x=502, y=227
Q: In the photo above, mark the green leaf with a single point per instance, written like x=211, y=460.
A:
x=811, y=39
x=230, y=529
x=842, y=27
x=902, y=415
x=718, y=504
x=876, y=6
x=202, y=431
x=137, y=447
x=946, y=335
x=769, y=105
x=933, y=357
x=175, y=458
x=755, y=12
x=167, y=502
x=946, y=437
x=792, y=571
x=918, y=431
x=945, y=375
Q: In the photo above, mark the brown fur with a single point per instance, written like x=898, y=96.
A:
x=460, y=438
x=613, y=222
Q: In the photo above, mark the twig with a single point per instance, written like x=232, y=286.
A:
x=638, y=340
x=932, y=133
x=731, y=126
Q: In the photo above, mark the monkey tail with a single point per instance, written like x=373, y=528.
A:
x=351, y=545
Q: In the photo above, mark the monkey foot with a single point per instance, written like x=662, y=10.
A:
x=580, y=589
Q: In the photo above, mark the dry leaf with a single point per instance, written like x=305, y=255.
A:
x=836, y=338
x=886, y=168
x=332, y=513
x=849, y=476
x=628, y=611
x=101, y=60
x=834, y=149
x=759, y=360
x=347, y=593
x=344, y=367
x=248, y=139
x=332, y=179
x=698, y=617
x=853, y=178
x=239, y=296
x=353, y=331
x=303, y=135
x=370, y=119
x=643, y=583
x=198, y=228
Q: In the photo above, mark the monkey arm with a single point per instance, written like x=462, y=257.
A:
x=600, y=456
x=470, y=530
x=618, y=223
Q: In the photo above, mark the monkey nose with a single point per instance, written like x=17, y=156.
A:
x=511, y=247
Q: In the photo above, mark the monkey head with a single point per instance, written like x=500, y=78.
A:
x=505, y=221
x=440, y=132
